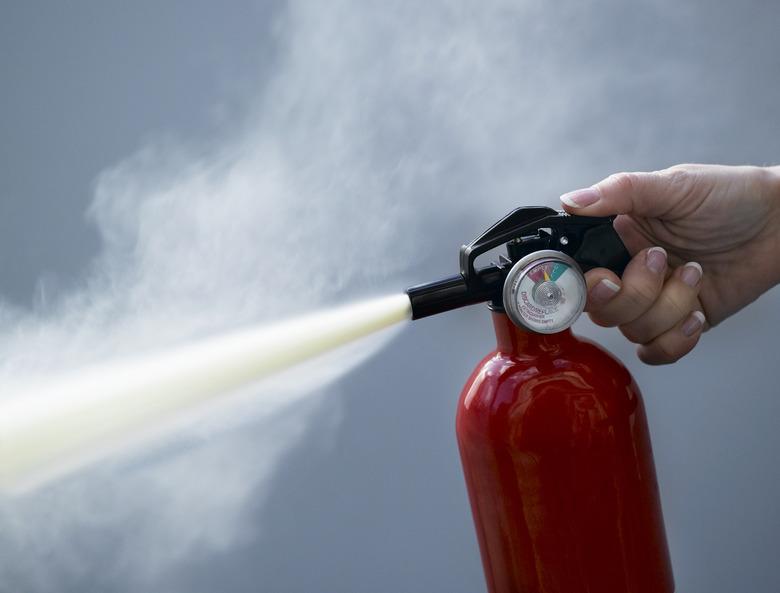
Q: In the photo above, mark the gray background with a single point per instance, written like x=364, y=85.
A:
x=380, y=505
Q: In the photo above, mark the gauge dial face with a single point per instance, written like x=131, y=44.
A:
x=545, y=292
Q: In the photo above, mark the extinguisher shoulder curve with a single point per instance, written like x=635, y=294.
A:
x=547, y=394
x=488, y=375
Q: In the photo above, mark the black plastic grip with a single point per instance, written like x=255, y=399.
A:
x=507, y=229
x=601, y=247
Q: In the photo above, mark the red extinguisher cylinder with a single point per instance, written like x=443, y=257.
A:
x=559, y=469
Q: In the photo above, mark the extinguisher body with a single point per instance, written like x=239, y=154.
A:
x=559, y=469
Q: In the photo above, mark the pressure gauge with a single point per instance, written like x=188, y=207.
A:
x=545, y=292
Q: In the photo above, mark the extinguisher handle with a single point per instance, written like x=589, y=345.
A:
x=510, y=228
x=597, y=246
x=591, y=241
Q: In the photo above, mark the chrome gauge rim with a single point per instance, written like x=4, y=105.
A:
x=545, y=292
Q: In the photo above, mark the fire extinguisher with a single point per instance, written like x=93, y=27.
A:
x=551, y=428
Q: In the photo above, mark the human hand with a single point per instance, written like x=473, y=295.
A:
x=705, y=241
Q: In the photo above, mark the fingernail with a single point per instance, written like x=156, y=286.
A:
x=693, y=324
x=656, y=259
x=581, y=197
x=603, y=291
x=691, y=273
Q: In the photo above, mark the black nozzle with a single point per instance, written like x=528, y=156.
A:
x=453, y=293
x=438, y=297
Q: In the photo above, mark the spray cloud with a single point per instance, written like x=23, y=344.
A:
x=380, y=124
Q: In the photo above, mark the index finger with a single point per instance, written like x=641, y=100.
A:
x=650, y=194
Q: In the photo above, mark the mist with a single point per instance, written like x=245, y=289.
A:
x=371, y=140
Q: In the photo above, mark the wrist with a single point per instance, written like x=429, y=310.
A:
x=772, y=185
x=773, y=174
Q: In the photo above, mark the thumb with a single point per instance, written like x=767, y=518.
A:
x=651, y=195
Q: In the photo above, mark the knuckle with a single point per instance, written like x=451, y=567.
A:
x=680, y=169
x=639, y=295
x=666, y=351
x=675, y=306
x=669, y=352
x=628, y=305
x=632, y=334
x=682, y=179
x=624, y=183
x=677, y=175
x=655, y=354
x=646, y=355
x=664, y=313
x=599, y=320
